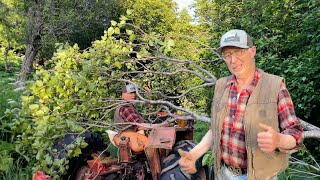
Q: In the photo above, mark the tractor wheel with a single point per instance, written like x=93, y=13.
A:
x=82, y=173
x=171, y=168
x=95, y=144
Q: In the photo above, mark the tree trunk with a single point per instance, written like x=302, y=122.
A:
x=5, y=59
x=6, y=53
x=31, y=53
x=35, y=23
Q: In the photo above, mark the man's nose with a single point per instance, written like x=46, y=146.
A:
x=233, y=58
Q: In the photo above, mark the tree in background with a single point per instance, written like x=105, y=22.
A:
x=11, y=29
x=51, y=22
x=287, y=36
x=152, y=15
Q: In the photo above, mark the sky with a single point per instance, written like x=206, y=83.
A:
x=185, y=4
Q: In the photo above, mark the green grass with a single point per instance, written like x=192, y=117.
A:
x=9, y=165
x=16, y=172
x=7, y=91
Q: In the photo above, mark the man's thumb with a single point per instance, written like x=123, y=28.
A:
x=182, y=153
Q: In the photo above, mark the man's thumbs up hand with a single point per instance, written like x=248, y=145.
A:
x=268, y=140
x=187, y=162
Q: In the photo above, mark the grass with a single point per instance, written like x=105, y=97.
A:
x=10, y=167
x=16, y=172
x=7, y=90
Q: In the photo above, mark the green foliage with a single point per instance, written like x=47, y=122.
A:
x=8, y=99
x=12, y=24
x=76, y=86
x=152, y=15
x=6, y=160
x=78, y=22
x=16, y=171
x=201, y=129
x=208, y=159
x=303, y=164
x=286, y=35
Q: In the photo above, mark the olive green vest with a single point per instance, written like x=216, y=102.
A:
x=261, y=108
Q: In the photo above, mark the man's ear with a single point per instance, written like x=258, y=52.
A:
x=253, y=51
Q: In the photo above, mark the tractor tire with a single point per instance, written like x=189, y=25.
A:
x=171, y=169
x=95, y=144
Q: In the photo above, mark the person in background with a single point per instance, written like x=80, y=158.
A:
x=127, y=112
x=253, y=127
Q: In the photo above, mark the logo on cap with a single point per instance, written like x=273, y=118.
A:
x=232, y=38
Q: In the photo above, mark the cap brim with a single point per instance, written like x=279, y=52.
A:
x=231, y=45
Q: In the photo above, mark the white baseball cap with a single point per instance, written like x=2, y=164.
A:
x=129, y=88
x=237, y=38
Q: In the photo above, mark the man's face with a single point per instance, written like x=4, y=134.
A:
x=128, y=96
x=240, y=61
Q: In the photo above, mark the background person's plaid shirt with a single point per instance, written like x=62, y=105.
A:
x=129, y=114
x=233, y=137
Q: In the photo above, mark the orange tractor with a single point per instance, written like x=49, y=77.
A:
x=151, y=153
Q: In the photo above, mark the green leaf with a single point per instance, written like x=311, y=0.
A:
x=129, y=32
x=34, y=107
x=117, y=30
x=83, y=144
x=170, y=42
x=113, y=23
x=132, y=37
x=110, y=31
x=39, y=83
x=39, y=113
x=151, y=43
x=129, y=11
x=77, y=152
x=118, y=64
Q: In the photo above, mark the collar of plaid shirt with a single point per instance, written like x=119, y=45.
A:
x=233, y=138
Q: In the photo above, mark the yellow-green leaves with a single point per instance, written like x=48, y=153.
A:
x=34, y=107
x=169, y=43
x=117, y=30
x=114, y=23
x=110, y=31
x=118, y=64
x=129, y=11
x=129, y=32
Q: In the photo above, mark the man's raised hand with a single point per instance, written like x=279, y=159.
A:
x=187, y=162
x=268, y=140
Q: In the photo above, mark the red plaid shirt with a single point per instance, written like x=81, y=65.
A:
x=129, y=114
x=233, y=146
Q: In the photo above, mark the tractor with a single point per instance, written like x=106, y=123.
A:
x=147, y=154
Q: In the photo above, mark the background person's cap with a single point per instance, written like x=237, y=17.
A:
x=128, y=88
x=236, y=38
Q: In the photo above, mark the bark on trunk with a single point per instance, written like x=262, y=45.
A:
x=6, y=53
x=27, y=64
x=35, y=17
x=5, y=59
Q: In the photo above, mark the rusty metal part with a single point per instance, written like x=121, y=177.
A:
x=160, y=138
x=137, y=140
x=124, y=150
